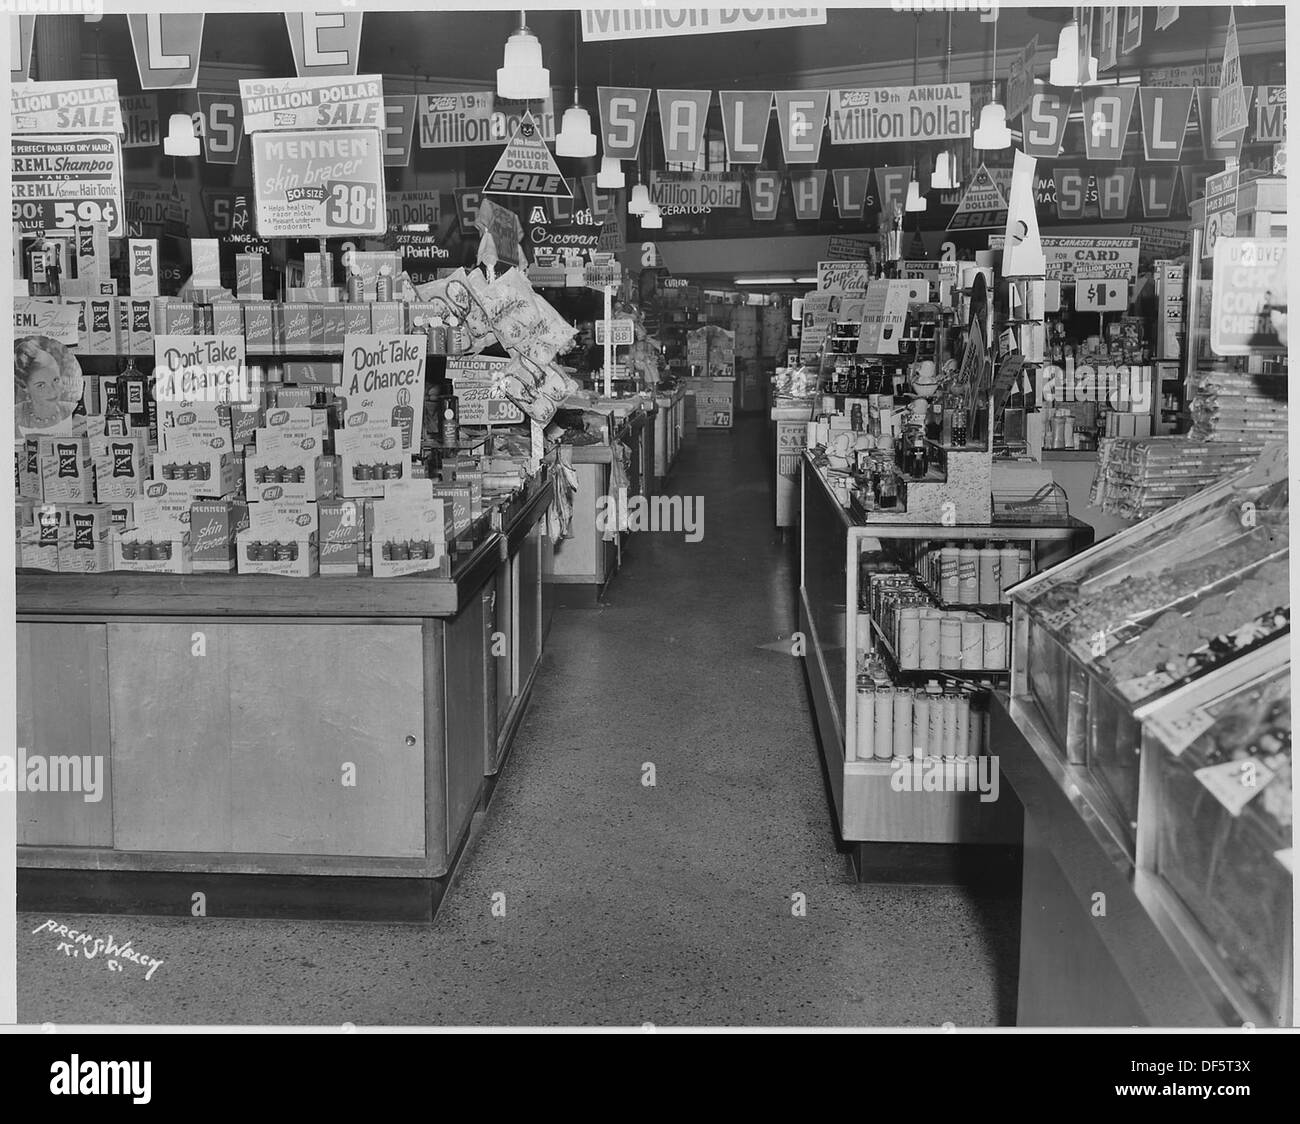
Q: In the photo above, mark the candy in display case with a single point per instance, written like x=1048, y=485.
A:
x=1215, y=834
x=1103, y=637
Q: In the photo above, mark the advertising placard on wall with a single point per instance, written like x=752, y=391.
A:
x=319, y=184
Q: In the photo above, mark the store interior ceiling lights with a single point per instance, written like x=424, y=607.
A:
x=944, y=177
x=1065, y=67
x=992, y=132
x=575, y=138
x=652, y=219
x=610, y=175
x=639, y=203
x=180, y=139
x=522, y=77
x=915, y=200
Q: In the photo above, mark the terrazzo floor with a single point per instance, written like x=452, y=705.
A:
x=624, y=904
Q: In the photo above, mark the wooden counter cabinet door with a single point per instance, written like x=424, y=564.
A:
x=276, y=738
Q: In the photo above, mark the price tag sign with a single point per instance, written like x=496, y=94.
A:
x=318, y=184
x=59, y=181
x=1234, y=784
x=1100, y=294
x=622, y=332
x=1178, y=731
x=1058, y=618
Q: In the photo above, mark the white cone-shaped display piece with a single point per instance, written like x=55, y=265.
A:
x=575, y=137
x=610, y=174
x=639, y=203
x=1064, y=70
x=915, y=200
x=944, y=177
x=1022, y=249
x=180, y=139
x=992, y=131
x=653, y=219
x=522, y=75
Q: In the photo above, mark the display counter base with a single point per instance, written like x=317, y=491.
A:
x=989, y=869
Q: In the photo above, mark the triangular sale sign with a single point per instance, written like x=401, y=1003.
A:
x=982, y=206
x=527, y=167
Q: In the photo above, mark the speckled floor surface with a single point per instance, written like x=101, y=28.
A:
x=624, y=904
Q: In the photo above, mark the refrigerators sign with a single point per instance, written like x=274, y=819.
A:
x=900, y=113
x=318, y=184
x=696, y=191
x=65, y=107
x=649, y=22
x=471, y=119
x=1067, y=258
x=313, y=103
x=61, y=181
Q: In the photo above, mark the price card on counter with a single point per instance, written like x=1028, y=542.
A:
x=319, y=184
x=1100, y=294
x=622, y=332
x=60, y=181
x=481, y=401
x=1234, y=784
x=1178, y=731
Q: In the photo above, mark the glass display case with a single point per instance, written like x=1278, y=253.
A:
x=1215, y=833
x=1102, y=639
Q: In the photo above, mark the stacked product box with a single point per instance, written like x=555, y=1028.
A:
x=120, y=466
x=371, y=459
x=66, y=471
x=159, y=541
x=215, y=526
x=410, y=531
x=86, y=537
x=342, y=537
x=281, y=539
x=197, y=448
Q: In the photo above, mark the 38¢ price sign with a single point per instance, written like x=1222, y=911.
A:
x=319, y=184
x=59, y=181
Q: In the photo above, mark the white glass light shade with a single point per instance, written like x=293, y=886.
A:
x=522, y=75
x=944, y=177
x=640, y=202
x=915, y=200
x=575, y=137
x=992, y=131
x=653, y=219
x=611, y=173
x=180, y=139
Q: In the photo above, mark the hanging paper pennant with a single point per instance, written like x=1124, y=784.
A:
x=1165, y=15
x=1043, y=124
x=801, y=117
x=764, y=195
x=1114, y=189
x=399, y=129
x=1022, y=249
x=20, y=49
x=622, y=118
x=745, y=116
x=223, y=127
x=324, y=44
x=1194, y=177
x=1106, y=114
x=605, y=206
x=1207, y=118
x=1131, y=32
x=851, y=188
x=1071, y=192
x=1157, y=188
x=891, y=186
x=1165, y=112
x=1108, y=48
x=1270, y=115
x=526, y=166
x=1233, y=103
x=167, y=49
x=682, y=115
x=983, y=204
x=808, y=189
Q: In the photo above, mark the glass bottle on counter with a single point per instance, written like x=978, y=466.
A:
x=959, y=423
x=115, y=423
x=917, y=460
x=887, y=489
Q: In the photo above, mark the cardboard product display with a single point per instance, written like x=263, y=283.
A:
x=140, y=551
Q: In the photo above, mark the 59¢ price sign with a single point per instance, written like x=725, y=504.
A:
x=59, y=181
x=318, y=184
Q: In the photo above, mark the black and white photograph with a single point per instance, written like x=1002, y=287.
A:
x=649, y=519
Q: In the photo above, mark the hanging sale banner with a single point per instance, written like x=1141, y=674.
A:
x=312, y=103
x=20, y=49
x=324, y=44
x=467, y=202
x=318, y=184
x=60, y=181
x=1270, y=114
x=891, y=186
x=1232, y=94
x=622, y=119
x=852, y=190
x=801, y=117
x=527, y=167
x=1114, y=190
x=472, y=119
x=1207, y=117
x=223, y=127
x=1072, y=192
x=1106, y=114
x=399, y=129
x=1131, y=30
x=646, y=22
x=230, y=218
x=1108, y=46
x=66, y=107
x=140, y=119
x=809, y=189
x=682, y=115
x=1157, y=188
x=876, y=114
x=167, y=49
x=1194, y=178
x=1248, y=298
x=745, y=117
x=1165, y=113
x=695, y=191
x=982, y=205
x=764, y=195
x=1020, y=79
x=604, y=205
x=1166, y=14
x=1043, y=124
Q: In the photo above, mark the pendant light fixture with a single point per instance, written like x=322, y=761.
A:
x=639, y=203
x=180, y=139
x=610, y=176
x=993, y=132
x=653, y=218
x=522, y=77
x=915, y=200
x=575, y=137
x=1065, y=67
x=944, y=177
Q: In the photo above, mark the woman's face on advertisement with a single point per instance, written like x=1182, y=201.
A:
x=44, y=381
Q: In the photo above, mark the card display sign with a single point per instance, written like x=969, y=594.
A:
x=319, y=184
x=383, y=381
x=481, y=402
x=200, y=369
x=1070, y=258
x=696, y=191
x=843, y=276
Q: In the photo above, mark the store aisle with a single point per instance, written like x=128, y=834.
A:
x=624, y=903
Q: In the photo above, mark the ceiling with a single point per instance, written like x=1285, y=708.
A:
x=468, y=45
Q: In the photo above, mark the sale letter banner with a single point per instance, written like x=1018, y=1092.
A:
x=1164, y=120
x=325, y=44
x=622, y=119
x=167, y=49
x=801, y=115
x=313, y=103
x=682, y=114
x=66, y=107
x=745, y=116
